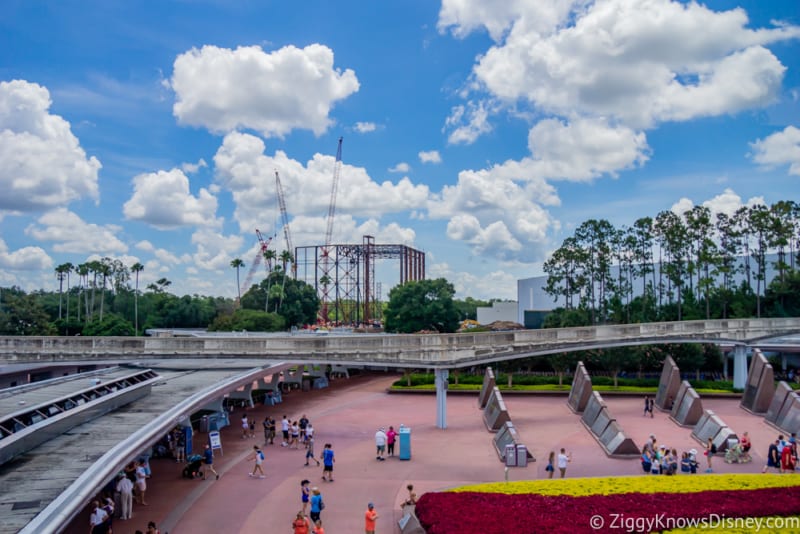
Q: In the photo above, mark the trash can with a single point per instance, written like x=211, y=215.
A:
x=203, y=424
x=404, y=435
x=522, y=455
x=511, y=455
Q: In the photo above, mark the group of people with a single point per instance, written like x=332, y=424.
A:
x=311, y=500
x=384, y=443
x=104, y=511
x=782, y=454
x=559, y=461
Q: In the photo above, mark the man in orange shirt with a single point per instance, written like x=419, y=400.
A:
x=370, y=517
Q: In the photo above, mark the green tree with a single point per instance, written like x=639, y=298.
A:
x=249, y=320
x=300, y=302
x=111, y=325
x=136, y=268
x=23, y=315
x=422, y=305
x=561, y=363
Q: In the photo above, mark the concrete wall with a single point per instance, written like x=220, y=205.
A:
x=499, y=311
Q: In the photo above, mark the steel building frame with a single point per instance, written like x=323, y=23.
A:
x=351, y=269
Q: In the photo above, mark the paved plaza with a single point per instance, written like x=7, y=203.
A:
x=347, y=415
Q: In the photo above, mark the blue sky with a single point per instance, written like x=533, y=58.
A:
x=481, y=132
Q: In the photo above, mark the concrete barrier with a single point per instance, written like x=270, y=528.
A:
x=495, y=415
x=782, y=391
x=507, y=435
x=760, y=386
x=593, y=407
x=711, y=426
x=605, y=430
x=487, y=387
x=789, y=416
x=581, y=389
x=688, y=408
x=616, y=443
x=668, y=385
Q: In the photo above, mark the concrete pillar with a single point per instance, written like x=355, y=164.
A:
x=783, y=363
x=739, y=366
x=441, y=397
x=725, y=358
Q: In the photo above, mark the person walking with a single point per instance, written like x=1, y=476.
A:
x=272, y=426
x=305, y=494
x=125, y=489
x=551, y=464
x=773, y=457
x=97, y=519
x=711, y=450
x=245, y=427
x=141, y=482
x=300, y=525
x=258, y=456
x=370, y=518
x=327, y=462
x=563, y=460
x=310, y=451
x=317, y=505
x=380, y=444
x=285, y=430
x=391, y=437
x=208, y=459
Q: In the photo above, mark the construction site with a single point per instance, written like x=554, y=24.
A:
x=345, y=276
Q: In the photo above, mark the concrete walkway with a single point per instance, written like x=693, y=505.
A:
x=347, y=415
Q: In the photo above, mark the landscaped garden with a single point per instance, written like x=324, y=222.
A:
x=686, y=503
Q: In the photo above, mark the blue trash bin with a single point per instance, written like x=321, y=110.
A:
x=404, y=435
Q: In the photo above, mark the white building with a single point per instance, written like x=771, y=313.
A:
x=499, y=311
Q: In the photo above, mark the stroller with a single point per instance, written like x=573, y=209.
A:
x=192, y=469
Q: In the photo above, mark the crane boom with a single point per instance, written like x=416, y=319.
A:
x=285, y=219
x=326, y=260
x=262, y=248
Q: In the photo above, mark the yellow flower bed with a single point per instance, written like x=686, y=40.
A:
x=643, y=484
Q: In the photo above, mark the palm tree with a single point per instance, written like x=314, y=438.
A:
x=105, y=270
x=237, y=264
x=61, y=274
x=83, y=273
x=286, y=258
x=136, y=268
x=269, y=257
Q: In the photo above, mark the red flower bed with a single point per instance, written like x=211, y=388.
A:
x=492, y=513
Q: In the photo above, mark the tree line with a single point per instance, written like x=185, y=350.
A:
x=699, y=265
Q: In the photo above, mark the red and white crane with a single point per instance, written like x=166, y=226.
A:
x=285, y=220
x=263, y=245
x=327, y=266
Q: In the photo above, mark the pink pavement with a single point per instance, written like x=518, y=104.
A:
x=348, y=414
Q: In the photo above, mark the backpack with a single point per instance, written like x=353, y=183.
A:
x=321, y=505
x=261, y=455
x=713, y=449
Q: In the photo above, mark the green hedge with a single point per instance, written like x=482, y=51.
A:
x=427, y=379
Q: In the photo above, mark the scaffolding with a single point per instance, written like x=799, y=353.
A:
x=355, y=297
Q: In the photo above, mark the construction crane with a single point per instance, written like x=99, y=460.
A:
x=263, y=245
x=285, y=219
x=326, y=260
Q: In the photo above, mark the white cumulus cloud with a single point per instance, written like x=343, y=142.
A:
x=365, y=127
x=69, y=233
x=42, y=164
x=24, y=259
x=401, y=167
x=269, y=92
x=163, y=200
x=248, y=173
x=430, y=156
x=780, y=148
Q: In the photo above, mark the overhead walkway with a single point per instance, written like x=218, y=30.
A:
x=46, y=487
